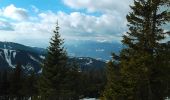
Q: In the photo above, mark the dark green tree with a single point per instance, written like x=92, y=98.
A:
x=16, y=82
x=53, y=84
x=4, y=85
x=73, y=81
x=30, y=86
x=144, y=65
x=113, y=89
x=140, y=66
x=92, y=82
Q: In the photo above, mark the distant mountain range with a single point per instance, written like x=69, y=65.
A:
x=97, y=50
x=31, y=58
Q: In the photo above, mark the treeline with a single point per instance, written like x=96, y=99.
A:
x=15, y=85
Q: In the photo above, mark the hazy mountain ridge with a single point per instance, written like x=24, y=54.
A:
x=17, y=46
x=97, y=50
x=32, y=57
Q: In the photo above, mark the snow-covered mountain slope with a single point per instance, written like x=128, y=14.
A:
x=13, y=53
x=31, y=58
x=17, y=46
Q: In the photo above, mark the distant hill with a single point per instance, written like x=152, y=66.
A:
x=97, y=50
x=17, y=46
x=32, y=57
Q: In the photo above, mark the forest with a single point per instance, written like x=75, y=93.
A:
x=140, y=72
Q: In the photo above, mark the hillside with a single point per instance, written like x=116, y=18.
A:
x=32, y=57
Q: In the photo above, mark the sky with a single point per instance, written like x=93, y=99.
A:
x=31, y=22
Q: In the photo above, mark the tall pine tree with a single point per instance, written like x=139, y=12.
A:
x=141, y=69
x=144, y=66
x=53, y=81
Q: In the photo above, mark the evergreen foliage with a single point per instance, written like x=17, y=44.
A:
x=29, y=86
x=61, y=80
x=91, y=82
x=144, y=66
x=4, y=85
x=55, y=79
x=16, y=83
x=113, y=87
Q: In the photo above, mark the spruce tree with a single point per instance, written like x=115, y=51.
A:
x=140, y=67
x=113, y=86
x=53, y=83
x=144, y=65
x=73, y=81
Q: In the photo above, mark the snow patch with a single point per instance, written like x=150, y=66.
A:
x=33, y=58
x=29, y=67
x=9, y=47
x=80, y=58
x=8, y=56
x=90, y=62
x=40, y=71
x=42, y=57
x=14, y=54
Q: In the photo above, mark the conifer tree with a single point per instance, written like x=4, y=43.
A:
x=73, y=80
x=16, y=82
x=144, y=66
x=29, y=86
x=140, y=66
x=4, y=87
x=53, y=83
x=113, y=86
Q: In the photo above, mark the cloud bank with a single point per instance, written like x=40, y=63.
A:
x=18, y=25
x=105, y=6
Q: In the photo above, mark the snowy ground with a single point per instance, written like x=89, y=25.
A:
x=167, y=98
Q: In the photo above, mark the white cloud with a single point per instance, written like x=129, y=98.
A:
x=5, y=25
x=73, y=26
x=110, y=25
x=117, y=6
x=14, y=13
x=78, y=24
x=106, y=27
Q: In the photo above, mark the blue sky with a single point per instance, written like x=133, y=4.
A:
x=41, y=4
x=31, y=22
x=83, y=24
